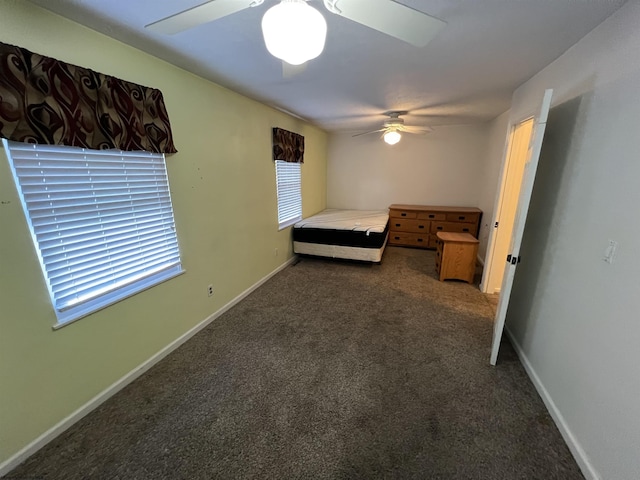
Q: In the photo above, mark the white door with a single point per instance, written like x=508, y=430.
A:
x=512, y=259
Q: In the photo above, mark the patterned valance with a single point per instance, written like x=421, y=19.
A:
x=288, y=146
x=46, y=101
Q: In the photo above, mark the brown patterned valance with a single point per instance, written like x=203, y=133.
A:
x=46, y=101
x=288, y=146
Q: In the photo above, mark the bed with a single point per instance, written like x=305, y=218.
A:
x=349, y=234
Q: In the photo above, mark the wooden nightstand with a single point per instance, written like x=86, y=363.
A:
x=456, y=256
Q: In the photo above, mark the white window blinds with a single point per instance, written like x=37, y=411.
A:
x=101, y=220
x=289, y=193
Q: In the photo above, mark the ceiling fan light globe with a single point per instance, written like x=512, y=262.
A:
x=294, y=32
x=392, y=137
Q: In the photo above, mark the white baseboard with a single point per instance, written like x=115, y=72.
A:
x=64, y=424
x=588, y=470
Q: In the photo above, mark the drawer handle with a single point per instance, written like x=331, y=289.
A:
x=419, y=239
x=465, y=229
x=420, y=226
x=461, y=218
x=432, y=216
x=396, y=238
x=403, y=214
x=438, y=228
x=398, y=224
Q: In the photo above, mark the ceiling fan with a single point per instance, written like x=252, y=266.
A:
x=394, y=127
x=293, y=25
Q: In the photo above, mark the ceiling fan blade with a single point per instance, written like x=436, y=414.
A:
x=416, y=130
x=289, y=70
x=198, y=15
x=392, y=18
x=368, y=133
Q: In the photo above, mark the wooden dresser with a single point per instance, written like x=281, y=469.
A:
x=417, y=225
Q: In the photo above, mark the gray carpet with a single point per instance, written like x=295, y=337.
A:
x=331, y=370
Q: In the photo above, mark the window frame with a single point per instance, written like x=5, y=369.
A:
x=136, y=271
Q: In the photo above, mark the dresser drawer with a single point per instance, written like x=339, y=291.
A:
x=394, y=213
x=453, y=227
x=463, y=217
x=414, y=226
x=409, y=239
x=431, y=216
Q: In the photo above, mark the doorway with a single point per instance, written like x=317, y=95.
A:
x=500, y=236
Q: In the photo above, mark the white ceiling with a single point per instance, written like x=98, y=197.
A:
x=465, y=75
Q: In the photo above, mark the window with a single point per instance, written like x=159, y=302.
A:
x=289, y=194
x=101, y=221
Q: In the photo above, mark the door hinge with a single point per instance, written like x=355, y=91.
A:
x=495, y=225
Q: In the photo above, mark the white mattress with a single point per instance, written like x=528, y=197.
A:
x=356, y=220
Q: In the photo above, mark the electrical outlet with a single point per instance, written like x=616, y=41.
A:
x=210, y=290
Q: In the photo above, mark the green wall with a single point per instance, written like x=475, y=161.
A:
x=223, y=190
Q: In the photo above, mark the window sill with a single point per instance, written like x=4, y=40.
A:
x=288, y=223
x=83, y=310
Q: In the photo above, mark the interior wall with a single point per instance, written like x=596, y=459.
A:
x=440, y=168
x=573, y=316
x=490, y=179
x=223, y=190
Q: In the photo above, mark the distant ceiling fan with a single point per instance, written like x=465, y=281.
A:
x=295, y=32
x=394, y=127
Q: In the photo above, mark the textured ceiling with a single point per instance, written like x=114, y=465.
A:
x=465, y=75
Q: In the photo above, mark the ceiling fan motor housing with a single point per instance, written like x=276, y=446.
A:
x=393, y=122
